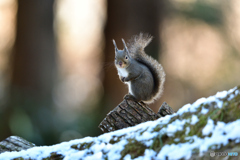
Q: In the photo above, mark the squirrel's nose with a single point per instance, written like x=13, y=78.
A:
x=120, y=63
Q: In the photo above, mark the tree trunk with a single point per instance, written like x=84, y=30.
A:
x=125, y=19
x=33, y=71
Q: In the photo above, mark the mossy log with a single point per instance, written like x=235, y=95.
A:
x=15, y=143
x=197, y=131
x=130, y=113
x=127, y=113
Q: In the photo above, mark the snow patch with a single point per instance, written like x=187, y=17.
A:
x=204, y=110
x=194, y=120
x=208, y=128
x=187, y=130
x=184, y=109
x=175, y=126
x=222, y=94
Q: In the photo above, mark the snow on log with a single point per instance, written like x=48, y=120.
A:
x=206, y=129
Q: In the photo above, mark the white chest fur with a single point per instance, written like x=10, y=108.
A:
x=122, y=72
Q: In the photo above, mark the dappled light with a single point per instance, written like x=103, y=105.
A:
x=79, y=26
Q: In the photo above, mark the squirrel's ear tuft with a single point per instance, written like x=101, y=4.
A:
x=114, y=43
x=125, y=46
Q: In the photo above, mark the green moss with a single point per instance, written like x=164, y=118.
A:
x=3, y=147
x=186, y=115
x=143, y=131
x=19, y=158
x=54, y=156
x=134, y=148
x=181, y=136
x=174, y=118
x=157, y=128
x=230, y=111
x=116, y=139
x=197, y=128
x=158, y=142
x=82, y=146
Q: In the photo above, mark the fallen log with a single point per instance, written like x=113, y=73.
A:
x=15, y=143
x=205, y=129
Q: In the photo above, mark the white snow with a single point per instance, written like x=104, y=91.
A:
x=184, y=109
x=101, y=148
x=208, y=128
x=187, y=130
x=175, y=126
x=175, y=151
x=237, y=141
x=220, y=135
x=222, y=94
x=194, y=120
x=204, y=110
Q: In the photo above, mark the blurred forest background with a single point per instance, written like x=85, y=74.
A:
x=57, y=76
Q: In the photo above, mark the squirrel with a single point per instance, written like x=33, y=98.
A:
x=144, y=76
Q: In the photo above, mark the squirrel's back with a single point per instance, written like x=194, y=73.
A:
x=136, y=47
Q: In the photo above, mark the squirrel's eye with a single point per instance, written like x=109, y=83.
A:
x=126, y=57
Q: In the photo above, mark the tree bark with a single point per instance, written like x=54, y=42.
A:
x=15, y=143
x=164, y=110
x=130, y=113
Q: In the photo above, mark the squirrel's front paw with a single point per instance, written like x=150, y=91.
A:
x=130, y=97
x=123, y=79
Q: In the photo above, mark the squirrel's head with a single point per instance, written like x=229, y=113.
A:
x=122, y=57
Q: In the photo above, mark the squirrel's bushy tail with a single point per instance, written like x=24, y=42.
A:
x=136, y=47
